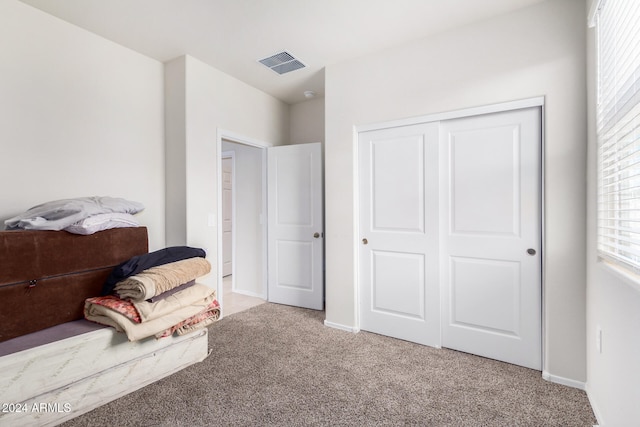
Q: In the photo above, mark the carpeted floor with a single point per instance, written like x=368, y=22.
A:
x=275, y=365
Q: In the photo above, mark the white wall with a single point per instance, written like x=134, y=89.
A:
x=538, y=51
x=175, y=152
x=201, y=101
x=613, y=304
x=79, y=116
x=249, y=244
x=307, y=121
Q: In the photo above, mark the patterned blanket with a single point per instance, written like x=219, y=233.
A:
x=182, y=312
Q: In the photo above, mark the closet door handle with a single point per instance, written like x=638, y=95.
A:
x=316, y=235
x=365, y=241
x=531, y=252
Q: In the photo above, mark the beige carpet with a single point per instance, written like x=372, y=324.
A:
x=276, y=365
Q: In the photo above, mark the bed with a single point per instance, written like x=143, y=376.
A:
x=54, y=365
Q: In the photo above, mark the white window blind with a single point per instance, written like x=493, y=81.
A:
x=618, y=128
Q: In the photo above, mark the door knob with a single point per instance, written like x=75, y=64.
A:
x=316, y=235
x=531, y=251
x=365, y=241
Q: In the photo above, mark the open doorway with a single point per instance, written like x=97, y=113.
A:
x=292, y=273
x=241, y=223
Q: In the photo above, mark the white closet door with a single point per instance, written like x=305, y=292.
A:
x=491, y=235
x=398, y=255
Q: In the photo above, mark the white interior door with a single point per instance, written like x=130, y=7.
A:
x=491, y=235
x=227, y=216
x=398, y=256
x=295, y=231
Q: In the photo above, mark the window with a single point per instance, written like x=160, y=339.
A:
x=618, y=130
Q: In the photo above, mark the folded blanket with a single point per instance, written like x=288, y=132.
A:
x=205, y=318
x=158, y=326
x=162, y=278
x=153, y=310
x=170, y=292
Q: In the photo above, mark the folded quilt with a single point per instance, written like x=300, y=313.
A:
x=144, y=311
x=162, y=278
x=116, y=304
x=158, y=326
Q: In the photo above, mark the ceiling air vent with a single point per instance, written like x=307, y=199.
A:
x=282, y=62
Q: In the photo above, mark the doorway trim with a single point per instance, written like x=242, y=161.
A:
x=538, y=102
x=231, y=155
x=455, y=114
x=223, y=134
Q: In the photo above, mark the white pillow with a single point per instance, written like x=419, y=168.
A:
x=101, y=222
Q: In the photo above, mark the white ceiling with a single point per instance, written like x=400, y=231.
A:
x=232, y=35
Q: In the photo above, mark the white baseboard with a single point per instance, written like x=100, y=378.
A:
x=564, y=381
x=594, y=407
x=341, y=327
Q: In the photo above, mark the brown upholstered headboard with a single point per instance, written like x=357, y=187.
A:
x=45, y=276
